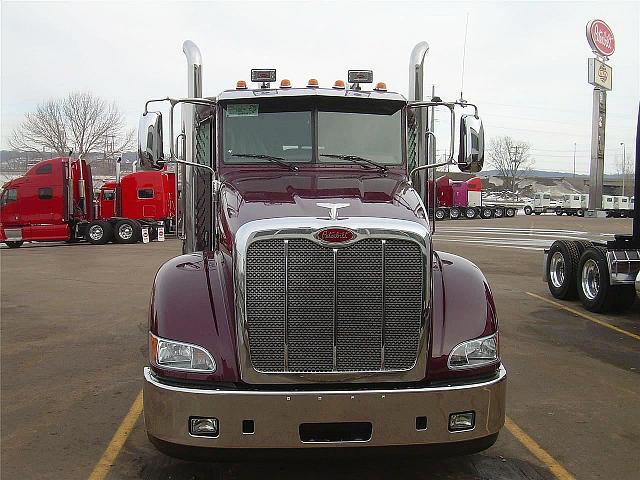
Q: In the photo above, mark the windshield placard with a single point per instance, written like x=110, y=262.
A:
x=242, y=110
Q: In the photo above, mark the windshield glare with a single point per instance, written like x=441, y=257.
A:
x=250, y=130
x=286, y=135
x=371, y=136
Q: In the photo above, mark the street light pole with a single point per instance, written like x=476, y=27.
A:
x=574, y=159
x=624, y=164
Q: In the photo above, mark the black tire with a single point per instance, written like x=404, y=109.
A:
x=528, y=210
x=99, y=232
x=594, y=290
x=454, y=213
x=127, y=231
x=487, y=213
x=440, y=214
x=559, y=211
x=499, y=212
x=538, y=213
x=510, y=212
x=562, y=268
x=14, y=243
x=580, y=213
x=470, y=213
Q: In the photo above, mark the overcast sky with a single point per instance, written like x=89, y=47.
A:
x=526, y=63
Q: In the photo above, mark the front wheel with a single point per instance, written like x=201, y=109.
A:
x=440, y=214
x=454, y=213
x=528, y=210
x=596, y=293
x=99, y=232
x=14, y=243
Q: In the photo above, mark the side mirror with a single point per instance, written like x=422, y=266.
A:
x=150, y=154
x=471, y=153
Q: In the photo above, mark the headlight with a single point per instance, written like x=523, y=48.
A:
x=179, y=356
x=475, y=353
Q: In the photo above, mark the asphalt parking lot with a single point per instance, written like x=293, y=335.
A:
x=73, y=344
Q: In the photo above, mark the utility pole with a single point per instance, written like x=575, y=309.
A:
x=514, y=166
x=624, y=164
x=574, y=159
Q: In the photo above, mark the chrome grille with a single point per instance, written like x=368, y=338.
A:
x=314, y=308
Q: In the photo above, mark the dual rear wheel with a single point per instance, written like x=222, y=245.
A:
x=579, y=269
x=100, y=232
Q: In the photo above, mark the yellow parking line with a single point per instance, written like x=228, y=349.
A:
x=585, y=316
x=105, y=463
x=530, y=444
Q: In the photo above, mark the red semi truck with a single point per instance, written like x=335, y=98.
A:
x=463, y=199
x=53, y=201
x=310, y=310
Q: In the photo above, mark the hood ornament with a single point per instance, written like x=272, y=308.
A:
x=333, y=209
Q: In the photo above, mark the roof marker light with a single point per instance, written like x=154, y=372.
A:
x=241, y=85
x=381, y=87
x=313, y=83
x=339, y=84
x=285, y=83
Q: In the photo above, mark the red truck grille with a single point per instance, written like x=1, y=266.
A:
x=315, y=308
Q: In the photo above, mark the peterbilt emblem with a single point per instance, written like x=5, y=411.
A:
x=335, y=235
x=333, y=208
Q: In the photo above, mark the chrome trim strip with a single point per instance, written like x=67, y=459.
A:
x=306, y=228
x=286, y=304
x=149, y=377
x=335, y=307
x=384, y=242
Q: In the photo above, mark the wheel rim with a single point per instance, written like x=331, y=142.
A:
x=125, y=231
x=455, y=213
x=96, y=232
x=556, y=271
x=590, y=279
x=439, y=215
x=470, y=214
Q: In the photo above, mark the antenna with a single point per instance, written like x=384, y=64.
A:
x=464, y=54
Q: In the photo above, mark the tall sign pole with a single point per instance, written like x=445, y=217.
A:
x=600, y=75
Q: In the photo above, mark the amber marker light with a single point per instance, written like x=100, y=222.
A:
x=241, y=85
x=381, y=87
x=313, y=83
x=285, y=83
x=339, y=84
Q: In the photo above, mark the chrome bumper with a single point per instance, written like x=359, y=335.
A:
x=277, y=415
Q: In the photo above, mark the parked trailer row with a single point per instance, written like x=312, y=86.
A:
x=463, y=199
x=54, y=201
x=577, y=204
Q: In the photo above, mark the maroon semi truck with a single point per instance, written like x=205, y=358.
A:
x=309, y=309
x=53, y=201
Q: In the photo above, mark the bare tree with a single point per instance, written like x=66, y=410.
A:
x=510, y=158
x=80, y=122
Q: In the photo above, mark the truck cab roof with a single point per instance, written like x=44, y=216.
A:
x=260, y=93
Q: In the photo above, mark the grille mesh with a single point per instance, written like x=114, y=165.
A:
x=367, y=319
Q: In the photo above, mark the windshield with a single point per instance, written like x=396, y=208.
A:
x=249, y=131
x=312, y=132
x=371, y=136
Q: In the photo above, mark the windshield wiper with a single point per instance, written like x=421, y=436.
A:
x=277, y=160
x=359, y=160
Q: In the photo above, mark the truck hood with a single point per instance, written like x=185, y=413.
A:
x=254, y=195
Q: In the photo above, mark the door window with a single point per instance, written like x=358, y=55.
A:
x=8, y=196
x=145, y=193
x=45, y=193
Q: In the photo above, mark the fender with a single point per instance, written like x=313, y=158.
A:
x=463, y=309
x=192, y=302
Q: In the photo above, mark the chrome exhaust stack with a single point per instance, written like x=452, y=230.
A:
x=186, y=210
x=416, y=94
